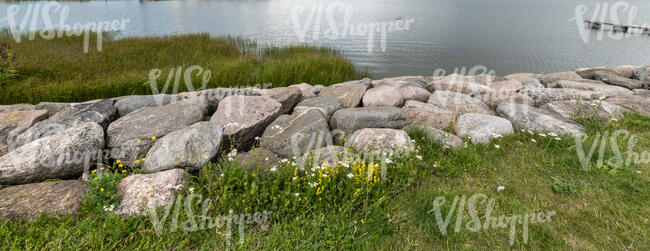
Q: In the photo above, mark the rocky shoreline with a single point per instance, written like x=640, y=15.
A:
x=165, y=135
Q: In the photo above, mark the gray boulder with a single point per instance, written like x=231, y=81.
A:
x=531, y=83
x=63, y=155
x=294, y=135
x=458, y=103
x=244, y=118
x=101, y=112
x=381, y=139
x=349, y=93
x=214, y=96
x=418, y=113
x=547, y=95
x=131, y=103
x=589, y=73
x=33, y=200
x=632, y=103
x=569, y=108
x=258, y=159
x=512, y=85
x=140, y=192
x=191, y=147
x=642, y=93
x=642, y=74
x=327, y=106
x=308, y=91
x=552, y=77
x=16, y=108
x=15, y=123
x=481, y=128
x=287, y=96
x=527, y=118
x=494, y=99
x=351, y=119
x=414, y=93
x=53, y=107
x=615, y=79
x=445, y=139
x=593, y=86
x=130, y=137
x=457, y=83
x=382, y=96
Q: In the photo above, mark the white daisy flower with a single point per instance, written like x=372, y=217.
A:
x=418, y=157
x=558, y=138
x=533, y=140
x=350, y=175
x=500, y=188
x=543, y=135
x=273, y=169
x=497, y=146
x=296, y=194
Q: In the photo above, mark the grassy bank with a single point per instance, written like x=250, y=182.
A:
x=58, y=69
x=602, y=208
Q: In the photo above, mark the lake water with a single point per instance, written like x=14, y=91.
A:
x=506, y=36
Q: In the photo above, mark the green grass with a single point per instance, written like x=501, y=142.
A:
x=597, y=209
x=58, y=70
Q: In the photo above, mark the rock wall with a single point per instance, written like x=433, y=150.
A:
x=171, y=133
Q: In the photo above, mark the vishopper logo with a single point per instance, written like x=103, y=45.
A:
x=602, y=141
x=334, y=29
x=606, y=13
x=205, y=220
x=176, y=74
x=53, y=29
x=491, y=221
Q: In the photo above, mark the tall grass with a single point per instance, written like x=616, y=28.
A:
x=59, y=70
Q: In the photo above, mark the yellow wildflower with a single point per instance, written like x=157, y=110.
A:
x=153, y=138
x=121, y=165
x=94, y=171
x=101, y=189
x=123, y=171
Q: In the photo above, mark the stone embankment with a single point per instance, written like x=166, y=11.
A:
x=168, y=135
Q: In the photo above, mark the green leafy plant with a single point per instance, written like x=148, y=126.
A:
x=569, y=188
x=102, y=195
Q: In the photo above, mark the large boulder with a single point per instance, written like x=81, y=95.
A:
x=32, y=200
x=632, y=103
x=308, y=91
x=53, y=107
x=458, y=103
x=457, y=83
x=16, y=108
x=245, y=117
x=63, y=155
x=414, y=93
x=191, y=147
x=352, y=119
x=287, y=96
x=215, y=95
x=14, y=123
x=569, y=108
x=349, y=94
x=552, y=77
x=102, y=112
x=642, y=93
x=141, y=192
x=626, y=71
x=130, y=137
x=615, y=79
x=507, y=86
x=382, y=96
x=418, y=113
x=294, y=135
x=445, y=139
x=258, y=159
x=494, y=99
x=129, y=104
x=547, y=95
x=481, y=128
x=593, y=85
x=396, y=82
x=588, y=73
x=531, y=83
x=527, y=118
x=327, y=106
x=381, y=139
x=642, y=74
